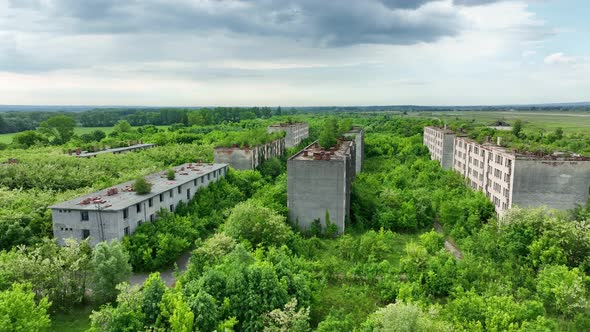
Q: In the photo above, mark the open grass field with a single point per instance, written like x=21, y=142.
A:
x=570, y=122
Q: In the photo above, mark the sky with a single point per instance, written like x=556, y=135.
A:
x=293, y=52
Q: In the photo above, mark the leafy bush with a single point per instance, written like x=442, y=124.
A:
x=141, y=186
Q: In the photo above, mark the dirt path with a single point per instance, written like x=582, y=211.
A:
x=167, y=275
x=449, y=245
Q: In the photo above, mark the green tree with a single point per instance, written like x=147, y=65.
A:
x=558, y=133
x=562, y=290
x=170, y=174
x=288, y=319
x=204, y=306
x=20, y=312
x=257, y=224
x=153, y=291
x=29, y=138
x=121, y=127
x=402, y=317
x=125, y=316
x=141, y=186
x=329, y=133
x=111, y=267
x=60, y=127
x=517, y=128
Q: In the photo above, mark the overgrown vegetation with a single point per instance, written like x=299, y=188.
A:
x=250, y=271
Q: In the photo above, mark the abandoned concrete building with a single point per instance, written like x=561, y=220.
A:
x=88, y=154
x=512, y=179
x=440, y=142
x=295, y=132
x=359, y=140
x=249, y=157
x=115, y=212
x=509, y=178
x=319, y=184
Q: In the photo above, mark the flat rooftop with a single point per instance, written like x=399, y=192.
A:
x=126, y=197
x=286, y=124
x=313, y=149
x=441, y=130
x=86, y=154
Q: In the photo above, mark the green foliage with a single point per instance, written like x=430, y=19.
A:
x=402, y=317
x=170, y=174
x=20, y=312
x=122, y=127
x=563, y=290
x=60, y=273
x=125, y=316
x=257, y=224
x=58, y=127
x=29, y=138
x=111, y=267
x=288, y=320
x=517, y=128
x=141, y=186
x=153, y=291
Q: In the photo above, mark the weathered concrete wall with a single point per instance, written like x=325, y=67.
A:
x=448, y=152
x=556, y=184
x=317, y=186
x=249, y=158
x=359, y=141
x=68, y=223
x=295, y=133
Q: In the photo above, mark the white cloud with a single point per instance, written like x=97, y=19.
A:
x=559, y=59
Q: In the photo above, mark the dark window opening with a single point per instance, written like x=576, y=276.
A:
x=138, y=207
x=188, y=194
x=171, y=207
x=126, y=230
x=84, y=215
x=161, y=197
x=85, y=234
x=150, y=202
x=125, y=213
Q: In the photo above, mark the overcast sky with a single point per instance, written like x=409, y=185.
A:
x=293, y=52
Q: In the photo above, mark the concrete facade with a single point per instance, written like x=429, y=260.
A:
x=440, y=143
x=115, y=212
x=359, y=141
x=320, y=181
x=510, y=179
x=249, y=158
x=295, y=133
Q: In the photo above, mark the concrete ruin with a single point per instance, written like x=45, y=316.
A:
x=116, y=212
x=249, y=157
x=295, y=132
x=319, y=183
x=508, y=178
x=359, y=140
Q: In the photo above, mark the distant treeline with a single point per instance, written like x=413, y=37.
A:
x=17, y=121
x=12, y=122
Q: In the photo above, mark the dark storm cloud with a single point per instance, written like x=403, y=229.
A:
x=320, y=22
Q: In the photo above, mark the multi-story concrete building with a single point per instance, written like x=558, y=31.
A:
x=359, y=141
x=115, y=212
x=439, y=142
x=249, y=157
x=511, y=179
x=295, y=132
x=319, y=183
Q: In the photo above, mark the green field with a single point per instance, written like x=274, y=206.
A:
x=549, y=120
